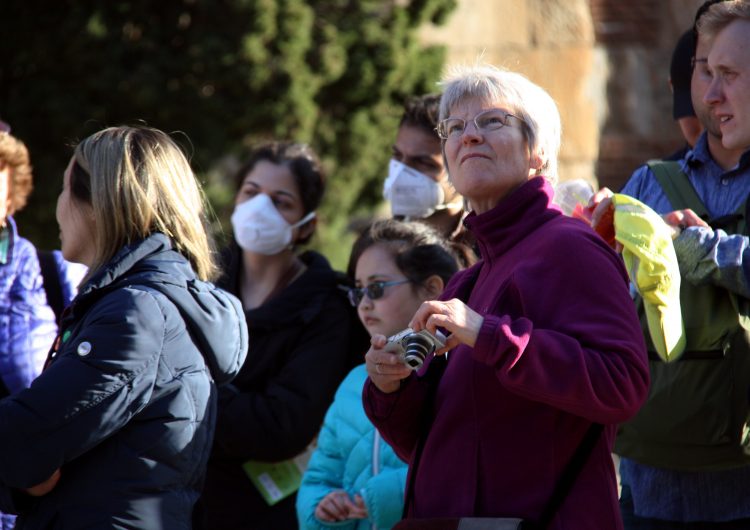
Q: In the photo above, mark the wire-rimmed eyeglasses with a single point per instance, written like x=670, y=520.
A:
x=489, y=120
x=373, y=291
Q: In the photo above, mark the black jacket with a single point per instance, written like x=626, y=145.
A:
x=299, y=353
x=127, y=405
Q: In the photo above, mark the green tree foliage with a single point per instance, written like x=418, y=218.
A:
x=227, y=74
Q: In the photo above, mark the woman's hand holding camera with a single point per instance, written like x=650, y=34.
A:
x=386, y=369
x=460, y=321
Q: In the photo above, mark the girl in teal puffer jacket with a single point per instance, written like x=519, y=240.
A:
x=354, y=479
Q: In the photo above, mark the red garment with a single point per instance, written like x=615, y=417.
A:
x=560, y=348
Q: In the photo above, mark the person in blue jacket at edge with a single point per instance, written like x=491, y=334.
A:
x=354, y=479
x=27, y=323
x=117, y=429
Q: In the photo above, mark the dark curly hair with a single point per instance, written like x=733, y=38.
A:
x=422, y=112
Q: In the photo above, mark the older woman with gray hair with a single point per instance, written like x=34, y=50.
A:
x=509, y=424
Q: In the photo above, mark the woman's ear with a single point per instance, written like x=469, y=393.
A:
x=433, y=286
x=307, y=229
x=536, y=161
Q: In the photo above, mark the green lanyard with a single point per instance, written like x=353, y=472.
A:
x=4, y=244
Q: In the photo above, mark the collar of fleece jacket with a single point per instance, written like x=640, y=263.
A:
x=516, y=215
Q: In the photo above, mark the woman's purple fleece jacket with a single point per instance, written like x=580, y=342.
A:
x=560, y=348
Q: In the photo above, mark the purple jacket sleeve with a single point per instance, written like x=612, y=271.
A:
x=576, y=343
x=399, y=416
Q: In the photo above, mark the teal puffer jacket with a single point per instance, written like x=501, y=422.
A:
x=352, y=456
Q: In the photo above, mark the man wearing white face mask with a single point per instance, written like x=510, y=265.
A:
x=417, y=185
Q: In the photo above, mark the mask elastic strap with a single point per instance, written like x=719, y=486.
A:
x=449, y=205
x=305, y=219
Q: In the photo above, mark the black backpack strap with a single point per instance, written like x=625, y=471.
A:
x=51, y=281
x=677, y=186
x=569, y=476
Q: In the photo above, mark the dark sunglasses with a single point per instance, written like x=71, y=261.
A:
x=373, y=291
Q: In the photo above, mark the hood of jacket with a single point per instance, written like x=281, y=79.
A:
x=213, y=317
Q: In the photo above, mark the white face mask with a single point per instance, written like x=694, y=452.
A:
x=259, y=227
x=412, y=193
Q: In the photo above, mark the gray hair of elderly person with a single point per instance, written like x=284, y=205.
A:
x=524, y=99
x=720, y=15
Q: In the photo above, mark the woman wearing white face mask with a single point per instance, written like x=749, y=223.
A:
x=299, y=323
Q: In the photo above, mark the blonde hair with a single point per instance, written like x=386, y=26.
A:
x=528, y=101
x=15, y=156
x=138, y=181
x=720, y=15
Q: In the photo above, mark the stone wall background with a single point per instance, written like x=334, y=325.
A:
x=606, y=63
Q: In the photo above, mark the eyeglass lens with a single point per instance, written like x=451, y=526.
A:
x=489, y=120
x=373, y=291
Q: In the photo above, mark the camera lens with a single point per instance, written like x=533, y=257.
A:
x=417, y=349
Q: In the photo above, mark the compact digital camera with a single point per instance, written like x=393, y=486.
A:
x=414, y=346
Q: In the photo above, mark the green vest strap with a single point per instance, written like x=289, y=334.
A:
x=677, y=186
